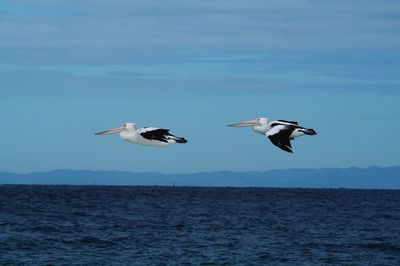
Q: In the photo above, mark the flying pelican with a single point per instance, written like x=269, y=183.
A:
x=149, y=136
x=279, y=132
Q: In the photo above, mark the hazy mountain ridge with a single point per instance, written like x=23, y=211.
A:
x=353, y=177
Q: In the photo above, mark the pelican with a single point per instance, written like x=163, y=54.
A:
x=149, y=136
x=279, y=132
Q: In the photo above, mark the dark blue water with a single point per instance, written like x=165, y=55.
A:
x=100, y=225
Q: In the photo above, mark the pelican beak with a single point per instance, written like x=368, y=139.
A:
x=110, y=131
x=245, y=124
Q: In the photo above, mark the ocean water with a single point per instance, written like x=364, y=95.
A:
x=110, y=225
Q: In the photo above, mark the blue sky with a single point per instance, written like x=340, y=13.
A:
x=70, y=68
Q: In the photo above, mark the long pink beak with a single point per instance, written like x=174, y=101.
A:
x=110, y=131
x=245, y=124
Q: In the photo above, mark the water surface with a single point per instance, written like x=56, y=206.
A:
x=111, y=225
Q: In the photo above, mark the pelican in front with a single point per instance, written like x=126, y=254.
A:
x=279, y=132
x=149, y=136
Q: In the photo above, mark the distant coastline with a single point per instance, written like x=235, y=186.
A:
x=353, y=177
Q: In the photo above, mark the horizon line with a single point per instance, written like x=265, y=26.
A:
x=197, y=172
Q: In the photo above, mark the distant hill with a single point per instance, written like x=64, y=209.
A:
x=353, y=177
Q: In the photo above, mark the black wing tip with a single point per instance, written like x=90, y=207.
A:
x=287, y=149
x=284, y=147
x=181, y=140
x=309, y=131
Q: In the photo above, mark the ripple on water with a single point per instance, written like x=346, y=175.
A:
x=197, y=226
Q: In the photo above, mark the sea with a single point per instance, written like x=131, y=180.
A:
x=129, y=225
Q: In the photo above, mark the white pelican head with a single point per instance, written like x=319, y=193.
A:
x=259, y=125
x=124, y=128
x=262, y=121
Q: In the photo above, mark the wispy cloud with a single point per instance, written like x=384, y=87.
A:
x=212, y=46
x=134, y=27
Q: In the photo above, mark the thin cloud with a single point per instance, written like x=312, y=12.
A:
x=231, y=26
x=200, y=45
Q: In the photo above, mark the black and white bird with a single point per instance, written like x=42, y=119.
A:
x=279, y=132
x=149, y=136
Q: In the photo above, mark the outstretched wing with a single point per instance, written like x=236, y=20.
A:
x=279, y=136
x=155, y=134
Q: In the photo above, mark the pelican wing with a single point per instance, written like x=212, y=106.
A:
x=279, y=136
x=155, y=134
x=289, y=122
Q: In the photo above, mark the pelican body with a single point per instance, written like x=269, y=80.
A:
x=279, y=132
x=148, y=136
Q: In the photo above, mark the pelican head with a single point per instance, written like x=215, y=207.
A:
x=259, y=125
x=124, y=128
x=262, y=121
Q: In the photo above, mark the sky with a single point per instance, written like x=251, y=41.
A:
x=71, y=68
